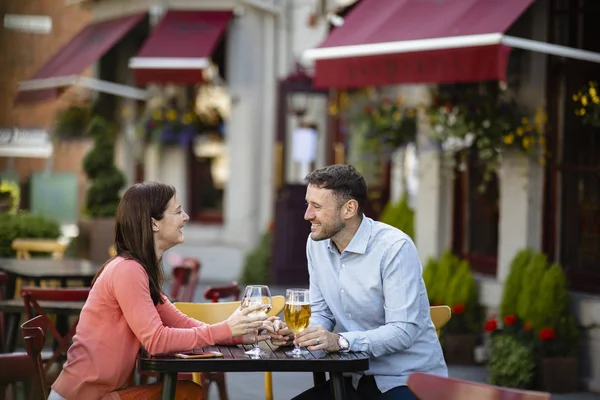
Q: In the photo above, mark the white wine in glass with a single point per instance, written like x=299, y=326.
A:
x=297, y=315
x=257, y=295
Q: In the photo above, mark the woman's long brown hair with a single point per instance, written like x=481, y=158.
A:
x=133, y=230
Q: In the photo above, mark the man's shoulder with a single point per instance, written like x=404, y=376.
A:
x=388, y=234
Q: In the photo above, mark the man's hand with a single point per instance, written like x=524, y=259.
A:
x=317, y=338
x=280, y=334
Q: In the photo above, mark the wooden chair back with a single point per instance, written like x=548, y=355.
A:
x=440, y=315
x=17, y=367
x=214, y=312
x=433, y=387
x=34, y=336
x=216, y=293
x=24, y=247
x=185, y=280
x=31, y=298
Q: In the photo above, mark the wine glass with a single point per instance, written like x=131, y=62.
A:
x=297, y=315
x=257, y=295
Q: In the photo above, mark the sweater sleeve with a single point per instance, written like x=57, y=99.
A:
x=131, y=290
x=171, y=316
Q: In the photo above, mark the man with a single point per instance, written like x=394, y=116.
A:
x=365, y=278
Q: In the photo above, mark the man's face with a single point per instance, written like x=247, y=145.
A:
x=324, y=213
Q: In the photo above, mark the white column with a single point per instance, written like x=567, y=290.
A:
x=245, y=63
x=433, y=211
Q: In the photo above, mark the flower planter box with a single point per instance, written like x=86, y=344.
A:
x=460, y=348
x=558, y=374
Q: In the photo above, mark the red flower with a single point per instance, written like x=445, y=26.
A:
x=547, y=334
x=458, y=309
x=367, y=110
x=448, y=106
x=527, y=326
x=490, y=325
x=509, y=320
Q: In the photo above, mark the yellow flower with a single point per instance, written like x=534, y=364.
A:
x=596, y=100
x=171, y=115
x=520, y=131
x=575, y=98
x=526, y=142
x=333, y=109
x=524, y=121
x=187, y=119
x=542, y=140
x=157, y=115
x=593, y=91
x=411, y=112
x=582, y=111
x=508, y=139
x=584, y=100
x=396, y=116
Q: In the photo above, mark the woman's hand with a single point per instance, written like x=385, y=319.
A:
x=280, y=334
x=242, y=322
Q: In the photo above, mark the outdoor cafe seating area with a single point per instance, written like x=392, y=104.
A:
x=42, y=297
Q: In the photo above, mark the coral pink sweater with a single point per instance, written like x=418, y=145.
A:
x=117, y=318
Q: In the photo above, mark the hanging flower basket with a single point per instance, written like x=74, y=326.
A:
x=587, y=104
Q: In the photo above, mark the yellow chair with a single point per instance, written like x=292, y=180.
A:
x=24, y=247
x=440, y=315
x=211, y=313
x=112, y=251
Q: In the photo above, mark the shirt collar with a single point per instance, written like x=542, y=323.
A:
x=359, y=241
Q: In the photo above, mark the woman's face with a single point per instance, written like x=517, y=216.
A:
x=168, y=232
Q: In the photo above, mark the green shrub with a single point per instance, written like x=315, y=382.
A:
x=400, y=216
x=462, y=297
x=72, y=122
x=106, y=180
x=552, y=303
x=24, y=225
x=531, y=286
x=257, y=263
x=429, y=274
x=512, y=363
x=445, y=270
x=514, y=282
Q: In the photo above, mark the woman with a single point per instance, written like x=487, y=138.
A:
x=126, y=307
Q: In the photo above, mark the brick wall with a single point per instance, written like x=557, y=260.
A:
x=22, y=54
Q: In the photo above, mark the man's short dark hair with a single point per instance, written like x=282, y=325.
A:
x=344, y=181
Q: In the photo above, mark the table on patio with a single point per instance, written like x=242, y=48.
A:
x=275, y=360
x=38, y=270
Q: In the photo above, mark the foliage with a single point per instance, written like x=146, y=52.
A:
x=587, y=104
x=446, y=268
x=11, y=191
x=487, y=120
x=389, y=123
x=514, y=282
x=24, y=225
x=512, y=363
x=552, y=317
x=72, y=122
x=170, y=126
x=531, y=287
x=400, y=216
x=429, y=275
x=257, y=262
x=463, y=298
x=106, y=180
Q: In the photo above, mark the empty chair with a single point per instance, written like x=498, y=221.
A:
x=440, y=315
x=17, y=367
x=434, y=387
x=185, y=280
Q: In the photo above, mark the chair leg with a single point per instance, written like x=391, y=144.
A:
x=268, y=386
x=220, y=381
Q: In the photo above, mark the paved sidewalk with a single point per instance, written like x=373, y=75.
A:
x=286, y=385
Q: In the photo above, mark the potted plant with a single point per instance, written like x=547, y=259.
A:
x=461, y=332
x=486, y=121
x=587, y=104
x=512, y=362
x=72, y=122
x=558, y=334
x=102, y=198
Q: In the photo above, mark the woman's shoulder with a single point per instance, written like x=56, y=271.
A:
x=123, y=267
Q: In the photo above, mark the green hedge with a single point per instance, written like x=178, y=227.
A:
x=400, y=216
x=24, y=225
x=257, y=263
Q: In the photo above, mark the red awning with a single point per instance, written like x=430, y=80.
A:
x=180, y=47
x=65, y=67
x=386, y=42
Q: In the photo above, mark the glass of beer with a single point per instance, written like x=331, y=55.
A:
x=257, y=295
x=297, y=315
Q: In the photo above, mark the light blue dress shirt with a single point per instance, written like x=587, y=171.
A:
x=374, y=293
